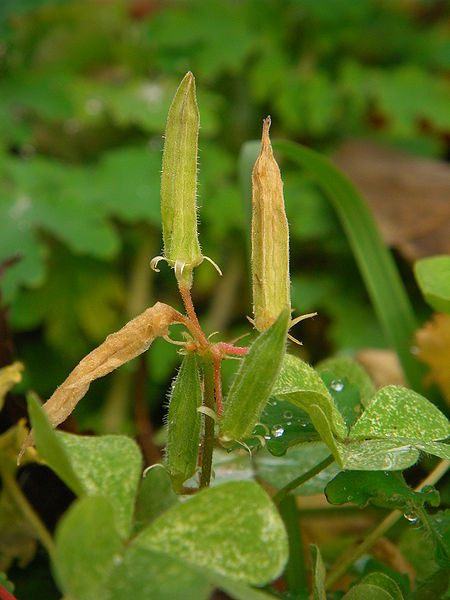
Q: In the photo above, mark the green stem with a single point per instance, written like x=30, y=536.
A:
x=14, y=490
x=208, y=438
x=382, y=528
x=302, y=478
x=295, y=569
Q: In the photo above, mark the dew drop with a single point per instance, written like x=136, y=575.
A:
x=288, y=423
x=411, y=517
x=287, y=414
x=277, y=431
x=337, y=385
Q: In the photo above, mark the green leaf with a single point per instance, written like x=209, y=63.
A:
x=345, y=395
x=367, y=591
x=299, y=383
x=284, y=425
x=319, y=574
x=384, y=582
x=254, y=381
x=143, y=574
x=51, y=447
x=433, y=277
x=384, y=489
x=279, y=471
x=435, y=448
x=155, y=496
x=377, y=455
x=433, y=587
x=88, y=546
x=397, y=412
x=240, y=591
x=232, y=529
x=109, y=465
x=344, y=366
x=184, y=422
x=439, y=528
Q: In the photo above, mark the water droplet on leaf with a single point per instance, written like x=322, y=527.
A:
x=277, y=431
x=337, y=385
x=411, y=517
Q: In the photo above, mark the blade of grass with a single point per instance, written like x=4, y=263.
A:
x=376, y=265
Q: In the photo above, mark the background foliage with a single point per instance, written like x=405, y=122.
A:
x=85, y=87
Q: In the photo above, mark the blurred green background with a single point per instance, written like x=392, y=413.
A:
x=85, y=88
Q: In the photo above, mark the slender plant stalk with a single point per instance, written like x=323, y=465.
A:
x=190, y=311
x=302, y=478
x=295, y=569
x=208, y=438
x=13, y=489
x=382, y=528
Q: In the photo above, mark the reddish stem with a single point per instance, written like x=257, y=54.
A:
x=190, y=311
x=5, y=595
x=226, y=348
x=218, y=384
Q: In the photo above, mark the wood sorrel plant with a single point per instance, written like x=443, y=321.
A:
x=357, y=436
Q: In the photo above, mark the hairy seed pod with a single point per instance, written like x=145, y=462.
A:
x=179, y=182
x=270, y=238
x=254, y=381
x=184, y=423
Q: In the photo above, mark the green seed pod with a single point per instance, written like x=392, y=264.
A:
x=184, y=423
x=179, y=182
x=270, y=238
x=254, y=381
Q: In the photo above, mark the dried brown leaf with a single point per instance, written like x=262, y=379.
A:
x=9, y=376
x=118, y=348
x=433, y=343
x=408, y=196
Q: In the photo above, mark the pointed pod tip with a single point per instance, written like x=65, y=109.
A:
x=266, y=145
x=189, y=78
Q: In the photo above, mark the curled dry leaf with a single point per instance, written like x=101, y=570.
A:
x=433, y=344
x=118, y=348
x=9, y=376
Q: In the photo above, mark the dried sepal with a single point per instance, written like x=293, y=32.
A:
x=270, y=238
x=118, y=348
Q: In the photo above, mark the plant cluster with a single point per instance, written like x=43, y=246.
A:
x=168, y=533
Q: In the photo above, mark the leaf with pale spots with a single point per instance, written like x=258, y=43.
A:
x=397, y=412
x=109, y=465
x=232, y=530
x=377, y=455
x=87, y=547
x=302, y=386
